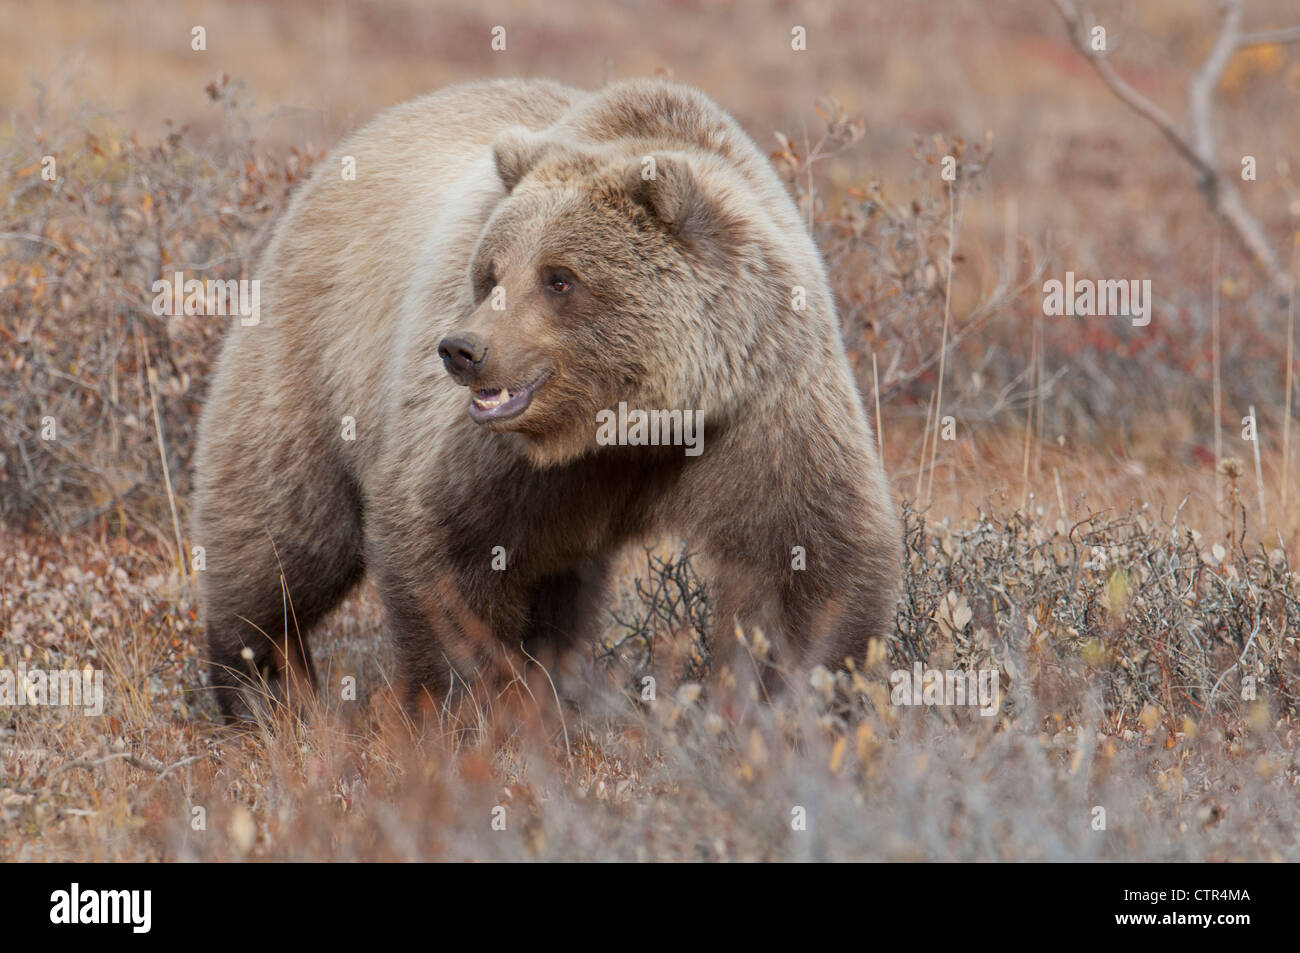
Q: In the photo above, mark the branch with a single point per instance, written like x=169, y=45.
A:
x=1121, y=88
x=1198, y=146
x=1269, y=37
x=1200, y=91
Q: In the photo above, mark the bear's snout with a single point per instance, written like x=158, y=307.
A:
x=462, y=355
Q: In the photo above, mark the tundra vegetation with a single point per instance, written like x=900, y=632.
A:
x=1101, y=510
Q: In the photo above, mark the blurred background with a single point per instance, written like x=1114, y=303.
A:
x=1056, y=174
x=1082, y=511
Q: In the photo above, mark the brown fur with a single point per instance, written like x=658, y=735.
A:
x=682, y=300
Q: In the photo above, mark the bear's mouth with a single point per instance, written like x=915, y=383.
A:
x=506, y=403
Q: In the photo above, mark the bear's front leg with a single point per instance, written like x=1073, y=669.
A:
x=815, y=567
x=807, y=606
x=449, y=649
x=453, y=648
x=567, y=611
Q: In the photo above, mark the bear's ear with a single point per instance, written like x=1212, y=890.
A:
x=670, y=190
x=516, y=150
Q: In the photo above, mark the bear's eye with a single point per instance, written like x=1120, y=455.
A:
x=558, y=281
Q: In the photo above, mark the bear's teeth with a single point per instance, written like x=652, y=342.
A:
x=487, y=401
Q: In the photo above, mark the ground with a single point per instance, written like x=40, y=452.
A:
x=1097, y=533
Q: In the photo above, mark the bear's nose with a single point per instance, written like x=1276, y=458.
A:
x=462, y=355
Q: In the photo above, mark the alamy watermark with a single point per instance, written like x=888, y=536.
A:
x=77, y=906
x=651, y=428
x=1084, y=297
x=955, y=687
x=179, y=296
x=58, y=688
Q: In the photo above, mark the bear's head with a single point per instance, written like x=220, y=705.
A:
x=608, y=274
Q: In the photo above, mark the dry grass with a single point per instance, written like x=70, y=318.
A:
x=1121, y=689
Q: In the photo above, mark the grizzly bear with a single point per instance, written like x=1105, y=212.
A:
x=451, y=308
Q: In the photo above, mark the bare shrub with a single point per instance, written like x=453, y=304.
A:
x=80, y=256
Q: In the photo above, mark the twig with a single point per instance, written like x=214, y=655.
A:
x=875, y=387
x=32, y=237
x=1286, y=424
x=925, y=439
x=1259, y=475
x=1196, y=146
x=1029, y=415
x=150, y=376
x=1214, y=356
x=559, y=707
x=943, y=345
x=157, y=767
x=1269, y=37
